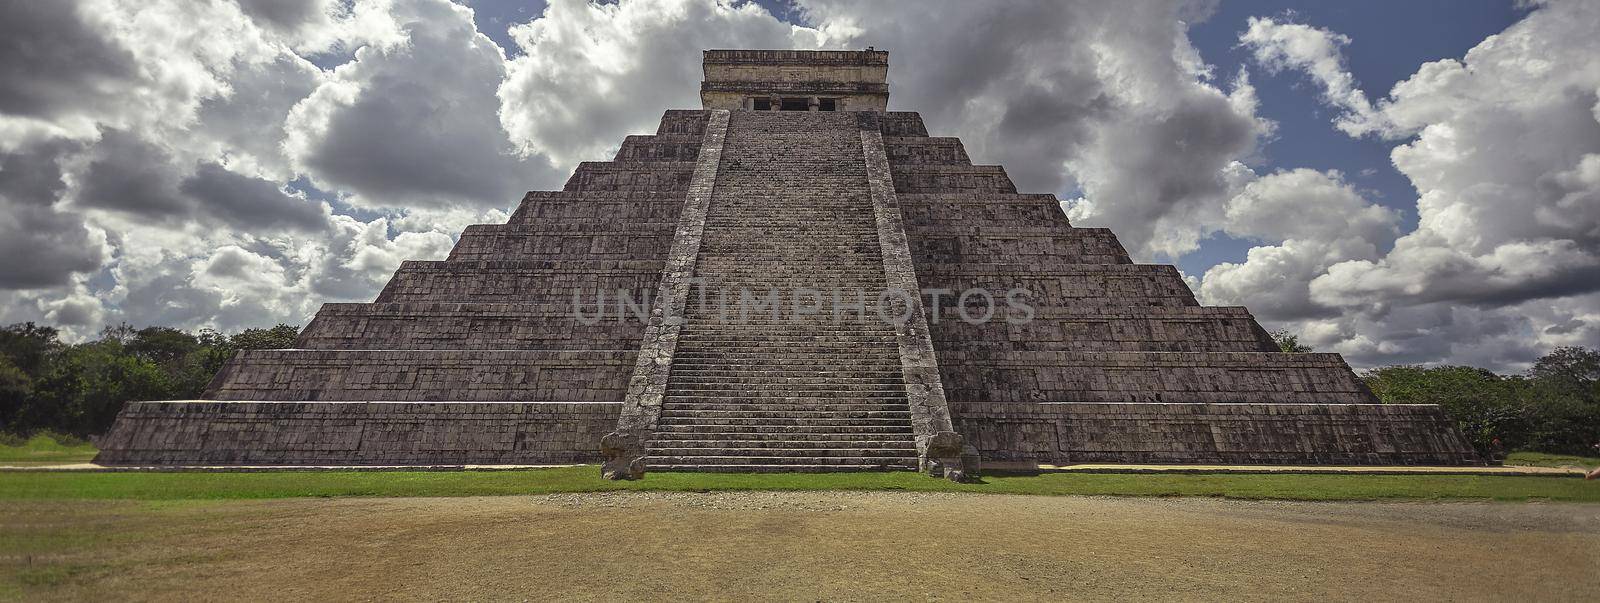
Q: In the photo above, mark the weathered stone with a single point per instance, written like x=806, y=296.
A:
x=624, y=453
x=491, y=356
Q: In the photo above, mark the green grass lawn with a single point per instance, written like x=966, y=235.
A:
x=288, y=484
x=46, y=449
x=1540, y=459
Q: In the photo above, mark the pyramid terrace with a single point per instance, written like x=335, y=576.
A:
x=789, y=278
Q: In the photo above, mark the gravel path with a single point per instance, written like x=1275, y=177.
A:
x=801, y=546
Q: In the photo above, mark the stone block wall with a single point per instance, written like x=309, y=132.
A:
x=613, y=240
x=424, y=375
x=937, y=212
x=479, y=359
x=683, y=121
x=1153, y=377
x=662, y=176
x=1119, y=363
x=924, y=149
x=475, y=359
x=556, y=207
x=1012, y=244
x=468, y=326
x=200, y=432
x=665, y=147
x=856, y=78
x=901, y=123
x=1066, y=285
x=1021, y=435
x=1126, y=329
x=914, y=178
x=520, y=281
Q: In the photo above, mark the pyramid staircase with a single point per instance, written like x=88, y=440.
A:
x=756, y=390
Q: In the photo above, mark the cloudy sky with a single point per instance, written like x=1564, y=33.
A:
x=1403, y=184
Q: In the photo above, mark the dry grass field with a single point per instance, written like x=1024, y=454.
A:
x=795, y=546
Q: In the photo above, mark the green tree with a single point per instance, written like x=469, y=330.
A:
x=28, y=344
x=79, y=389
x=16, y=388
x=85, y=386
x=275, y=338
x=24, y=349
x=185, y=358
x=1566, y=401
x=165, y=346
x=1490, y=410
x=1289, y=342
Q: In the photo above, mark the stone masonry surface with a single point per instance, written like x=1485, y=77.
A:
x=930, y=413
x=487, y=357
x=1293, y=434
x=792, y=210
x=356, y=433
x=647, y=385
x=477, y=359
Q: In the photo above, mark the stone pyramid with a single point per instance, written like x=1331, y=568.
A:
x=792, y=278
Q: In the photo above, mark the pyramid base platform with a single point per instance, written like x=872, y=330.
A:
x=213, y=433
x=206, y=432
x=1014, y=434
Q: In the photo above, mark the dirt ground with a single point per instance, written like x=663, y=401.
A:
x=797, y=546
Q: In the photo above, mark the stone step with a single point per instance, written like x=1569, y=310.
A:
x=821, y=346
x=828, y=407
x=843, y=347
x=697, y=392
x=846, y=391
x=844, y=259
x=820, y=350
x=900, y=451
x=823, y=321
x=797, y=375
x=780, y=440
x=732, y=283
x=755, y=290
x=787, y=323
x=800, y=430
x=690, y=386
x=807, y=422
x=743, y=407
x=902, y=446
x=826, y=228
x=882, y=369
x=791, y=211
x=807, y=235
x=760, y=265
x=735, y=366
x=819, y=373
x=841, y=264
x=733, y=379
x=814, y=325
x=900, y=465
x=734, y=287
x=879, y=373
x=745, y=463
x=758, y=355
x=805, y=325
x=869, y=345
x=752, y=341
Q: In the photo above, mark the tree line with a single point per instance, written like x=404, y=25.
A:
x=47, y=385
x=1554, y=407
x=77, y=389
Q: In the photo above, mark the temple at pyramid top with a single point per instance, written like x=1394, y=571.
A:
x=796, y=80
